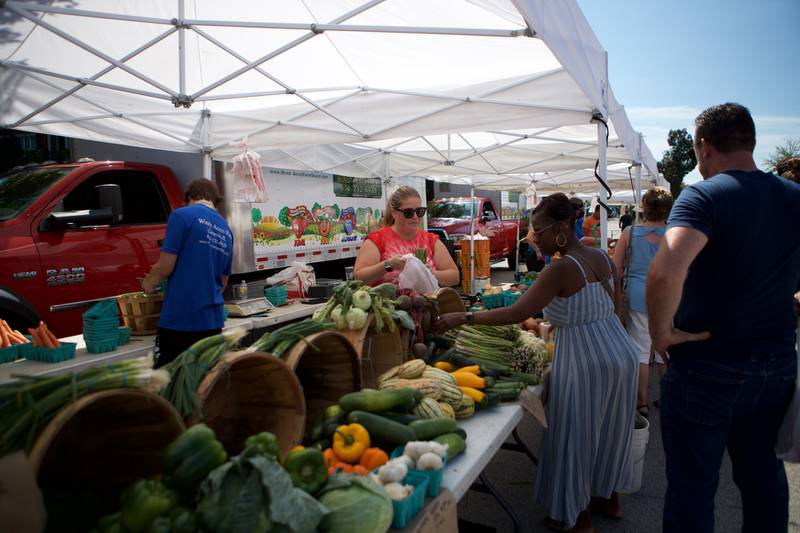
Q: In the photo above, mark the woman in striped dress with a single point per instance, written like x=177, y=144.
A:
x=586, y=453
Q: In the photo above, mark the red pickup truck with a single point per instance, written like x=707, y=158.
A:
x=451, y=216
x=73, y=234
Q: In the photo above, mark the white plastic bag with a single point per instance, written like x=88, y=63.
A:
x=248, y=185
x=416, y=276
x=298, y=277
x=787, y=447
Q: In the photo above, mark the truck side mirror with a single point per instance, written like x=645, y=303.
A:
x=110, y=196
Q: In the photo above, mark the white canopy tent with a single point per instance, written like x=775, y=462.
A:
x=528, y=76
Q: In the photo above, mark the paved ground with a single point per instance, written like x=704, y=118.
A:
x=513, y=474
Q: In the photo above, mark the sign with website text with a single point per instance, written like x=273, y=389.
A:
x=349, y=187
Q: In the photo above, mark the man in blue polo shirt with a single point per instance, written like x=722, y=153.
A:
x=196, y=260
x=720, y=302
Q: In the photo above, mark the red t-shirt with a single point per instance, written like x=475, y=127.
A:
x=390, y=244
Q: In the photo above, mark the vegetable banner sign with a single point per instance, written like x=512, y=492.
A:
x=284, y=223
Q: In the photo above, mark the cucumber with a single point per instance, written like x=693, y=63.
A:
x=455, y=444
x=461, y=432
x=376, y=401
x=433, y=427
x=402, y=418
x=381, y=428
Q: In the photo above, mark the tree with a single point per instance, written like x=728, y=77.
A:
x=678, y=161
x=256, y=215
x=790, y=148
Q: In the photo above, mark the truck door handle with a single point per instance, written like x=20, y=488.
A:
x=160, y=242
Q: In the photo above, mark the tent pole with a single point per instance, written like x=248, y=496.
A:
x=602, y=148
x=181, y=49
x=472, y=239
x=207, y=159
x=637, y=193
x=519, y=216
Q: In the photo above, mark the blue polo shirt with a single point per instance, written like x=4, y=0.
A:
x=203, y=242
x=740, y=287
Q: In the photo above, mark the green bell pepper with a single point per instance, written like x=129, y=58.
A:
x=143, y=502
x=265, y=443
x=191, y=457
x=307, y=469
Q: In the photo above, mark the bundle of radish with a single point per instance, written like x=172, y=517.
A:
x=10, y=337
x=43, y=337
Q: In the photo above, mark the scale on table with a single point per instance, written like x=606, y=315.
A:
x=248, y=307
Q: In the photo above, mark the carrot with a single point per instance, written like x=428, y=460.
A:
x=37, y=341
x=46, y=342
x=53, y=339
x=4, y=342
x=13, y=336
x=22, y=339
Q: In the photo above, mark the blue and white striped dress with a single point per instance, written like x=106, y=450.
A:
x=586, y=450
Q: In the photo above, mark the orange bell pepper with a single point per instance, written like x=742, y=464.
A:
x=330, y=457
x=347, y=468
x=372, y=458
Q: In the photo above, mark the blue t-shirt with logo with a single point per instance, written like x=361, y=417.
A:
x=203, y=242
x=740, y=287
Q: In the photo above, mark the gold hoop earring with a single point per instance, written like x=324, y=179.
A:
x=563, y=242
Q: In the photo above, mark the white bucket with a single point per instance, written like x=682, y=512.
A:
x=641, y=434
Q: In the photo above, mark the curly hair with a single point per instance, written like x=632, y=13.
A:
x=556, y=207
x=656, y=205
x=202, y=189
x=727, y=127
x=789, y=168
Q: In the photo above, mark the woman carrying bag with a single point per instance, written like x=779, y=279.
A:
x=635, y=250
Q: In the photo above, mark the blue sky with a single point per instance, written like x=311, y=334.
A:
x=669, y=60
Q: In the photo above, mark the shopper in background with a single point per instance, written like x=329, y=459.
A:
x=789, y=168
x=196, y=261
x=380, y=258
x=626, y=219
x=641, y=241
x=592, y=389
x=577, y=205
x=720, y=303
x=591, y=225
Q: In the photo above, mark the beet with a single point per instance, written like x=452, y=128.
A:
x=419, y=302
x=403, y=303
x=419, y=350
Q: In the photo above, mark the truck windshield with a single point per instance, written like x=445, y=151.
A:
x=451, y=210
x=18, y=190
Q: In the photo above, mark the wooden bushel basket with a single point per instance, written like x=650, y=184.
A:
x=327, y=367
x=249, y=392
x=141, y=313
x=377, y=352
x=449, y=301
x=96, y=446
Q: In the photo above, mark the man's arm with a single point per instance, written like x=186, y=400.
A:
x=160, y=271
x=665, y=279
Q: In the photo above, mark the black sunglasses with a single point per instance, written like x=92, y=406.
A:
x=408, y=212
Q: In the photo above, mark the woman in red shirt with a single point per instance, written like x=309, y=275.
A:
x=380, y=258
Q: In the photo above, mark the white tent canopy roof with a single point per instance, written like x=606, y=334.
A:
x=358, y=75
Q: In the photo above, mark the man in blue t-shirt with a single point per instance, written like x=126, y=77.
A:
x=196, y=260
x=720, y=303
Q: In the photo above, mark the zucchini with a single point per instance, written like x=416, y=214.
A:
x=508, y=385
x=506, y=395
x=455, y=444
x=402, y=418
x=442, y=342
x=384, y=400
x=461, y=432
x=433, y=427
x=490, y=399
x=381, y=428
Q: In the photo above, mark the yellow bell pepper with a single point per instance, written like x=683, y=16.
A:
x=350, y=441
